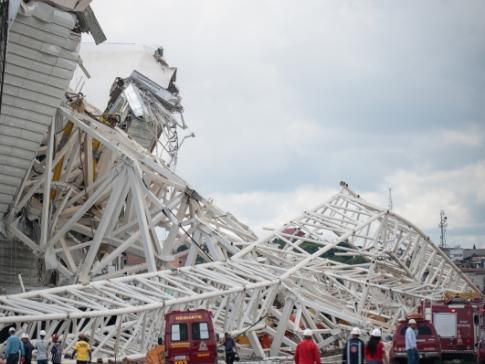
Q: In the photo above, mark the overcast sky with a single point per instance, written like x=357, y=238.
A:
x=287, y=98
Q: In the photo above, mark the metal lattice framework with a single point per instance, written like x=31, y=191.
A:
x=344, y=263
x=97, y=196
x=126, y=240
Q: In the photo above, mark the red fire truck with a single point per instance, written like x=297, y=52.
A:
x=459, y=323
x=190, y=337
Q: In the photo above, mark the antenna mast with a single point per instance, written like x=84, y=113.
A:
x=443, y=224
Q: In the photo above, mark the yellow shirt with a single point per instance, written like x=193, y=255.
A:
x=82, y=350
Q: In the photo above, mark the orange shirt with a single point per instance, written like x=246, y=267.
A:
x=156, y=355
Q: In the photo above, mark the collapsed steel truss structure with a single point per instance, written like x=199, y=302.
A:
x=126, y=240
x=344, y=263
x=101, y=196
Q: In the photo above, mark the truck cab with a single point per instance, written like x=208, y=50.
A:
x=427, y=340
x=190, y=337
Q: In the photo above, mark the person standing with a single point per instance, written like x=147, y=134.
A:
x=411, y=346
x=82, y=350
x=353, y=352
x=42, y=347
x=157, y=354
x=56, y=350
x=307, y=351
x=14, y=349
x=229, y=348
x=374, y=350
x=27, y=349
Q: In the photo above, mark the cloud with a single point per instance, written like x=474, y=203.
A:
x=272, y=209
x=471, y=137
x=419, y=196
x=287, y=99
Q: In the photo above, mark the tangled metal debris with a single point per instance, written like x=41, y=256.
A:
x=93, y=200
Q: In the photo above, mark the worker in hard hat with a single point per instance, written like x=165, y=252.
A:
x=42, y=348
x=307, y=351
x=410, y=339
x=374, y=350
x=14, y=348
x=353, y=352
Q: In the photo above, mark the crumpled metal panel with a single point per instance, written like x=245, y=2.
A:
x=42, y=54
x=70, y=5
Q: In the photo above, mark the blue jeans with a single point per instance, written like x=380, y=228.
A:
x=13, y=358
x=413, y=356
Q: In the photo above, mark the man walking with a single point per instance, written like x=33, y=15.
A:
x=307, y=351
x=229, y=348
x=42, y=347
x=354, y=349
x=411, y=347
x=14, y=349
x=82, y=350
x=56, y=350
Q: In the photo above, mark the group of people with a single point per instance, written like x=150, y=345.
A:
x=20, y=350
x=356, y=351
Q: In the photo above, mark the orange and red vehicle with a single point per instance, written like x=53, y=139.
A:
x=458, y=322
x=190, y=337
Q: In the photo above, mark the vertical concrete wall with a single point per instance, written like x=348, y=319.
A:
x=42, y=53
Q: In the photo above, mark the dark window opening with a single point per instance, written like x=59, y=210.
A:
x=200, y=331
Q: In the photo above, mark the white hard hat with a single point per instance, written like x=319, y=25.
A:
x=42, y=333
x=412, y=321
x=25, y=336
x=12, y=329
x=355, y=331
x=307, y=332
x=376, y=333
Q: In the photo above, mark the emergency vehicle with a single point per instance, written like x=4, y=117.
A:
x=427, y=340
x=190, y=337
x=458, y=322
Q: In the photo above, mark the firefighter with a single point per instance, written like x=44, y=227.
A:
x=374, y=350
x=307, y=351
x=353, y=352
